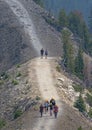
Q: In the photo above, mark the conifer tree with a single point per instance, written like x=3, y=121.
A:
x=62, y=19
x=80, y=104
x=67, y=50
x=79, y=64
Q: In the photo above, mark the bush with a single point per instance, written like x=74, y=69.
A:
x=1, y=82
x=18, y=66
x=77, y=88
x=2, y=123
x=4, y=75
x=18, y=75
x=17, y=114
x=80, y=128
x=80, y=104
x=90, y=113
x=89, y=99
x=58, y=68
x=38, y=98
x=15, y=82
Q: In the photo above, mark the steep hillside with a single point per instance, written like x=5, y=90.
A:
x=25, y=95
x=15, y=44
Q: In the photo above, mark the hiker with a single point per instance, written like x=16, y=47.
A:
x=55, y=110
x=51, y=109
x=46, y=105
x=53, y=101
x=46, y=53
x=41, y=110
x=42, y=52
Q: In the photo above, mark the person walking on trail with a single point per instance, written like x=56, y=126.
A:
x=51, y=109
x=41, y=110
x=42, y=52
x=55, y=110
x=53, y=101
x=46, y=105
x=46, y=53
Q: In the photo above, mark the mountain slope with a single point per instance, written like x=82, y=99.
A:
x=15, y=43
x=44, y=79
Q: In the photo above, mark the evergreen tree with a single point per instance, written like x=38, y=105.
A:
x=80, y=104
x=62, y=19
x=67, y=50
x=79, y=64
x=78, y=26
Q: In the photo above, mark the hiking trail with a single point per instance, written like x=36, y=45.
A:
x=47, y=88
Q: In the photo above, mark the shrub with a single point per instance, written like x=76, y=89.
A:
x=58, y=68
x=4, y=75
x=2, y=123
x=89, y=99
x=18, y=66
x=38, y=98
x=17, y=114
x=1, y=82
x=80, y=128
x=90, y=113
x=19, y=74
x=80, y=104
x=15, y=82
x=78, y=88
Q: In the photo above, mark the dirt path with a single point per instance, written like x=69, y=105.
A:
x=46, y=86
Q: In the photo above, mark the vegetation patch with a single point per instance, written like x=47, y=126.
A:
x=15, y=82
x=17, y=113
x=89, y=99
x=38, y=98
x=19, y=74
x=2, y=123
x=58, y=68
x=78, y=88
x=90, y=113
x=4, y=75
x=80, y=128
x=79, y=103
x=17, y=66
x=1, y=82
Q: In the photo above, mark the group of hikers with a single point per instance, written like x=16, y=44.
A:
x=49, y=106
x=44, y=52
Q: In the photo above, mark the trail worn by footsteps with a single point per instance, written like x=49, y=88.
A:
x=46, y=86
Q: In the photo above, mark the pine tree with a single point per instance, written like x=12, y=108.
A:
x=67, y=51
x=80, y=104
x=62, y=19
x=79, y=64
